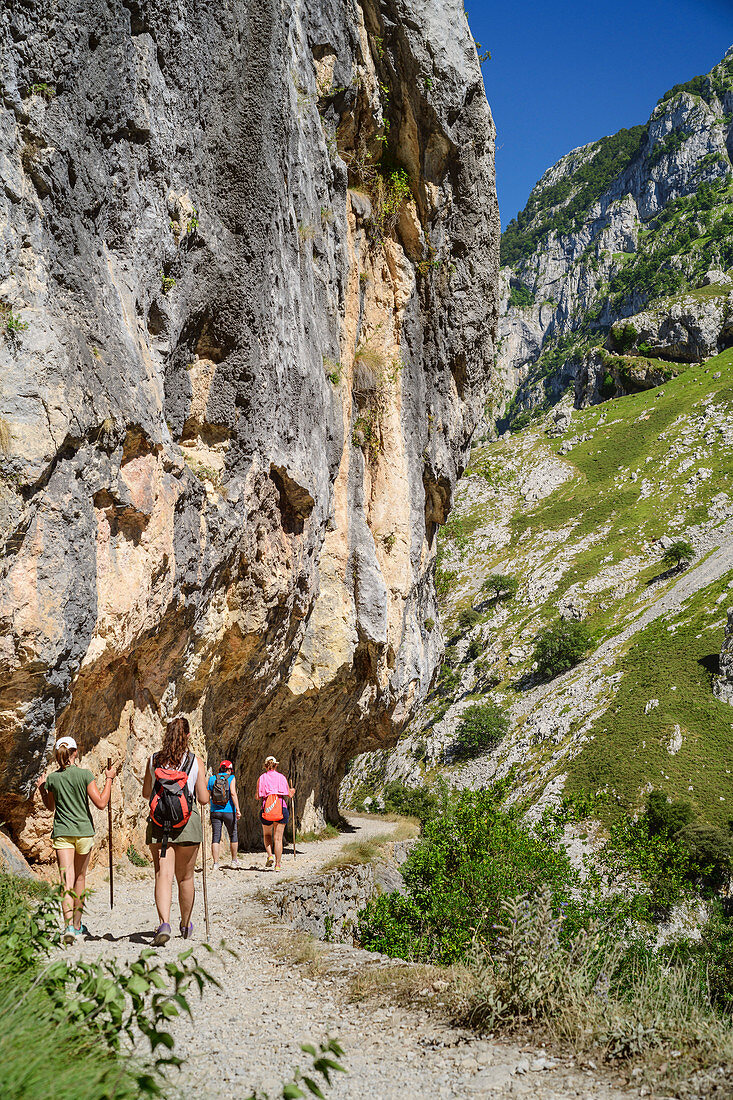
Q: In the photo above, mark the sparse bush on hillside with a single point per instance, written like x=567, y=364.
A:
x=710, y=853
x=482, y=727
x=678, y=555
x=486, y=677
x=468, y=617
x=419, y=802
x=624, y=337
x=560, y=647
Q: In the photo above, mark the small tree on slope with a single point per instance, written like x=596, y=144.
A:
x=678, y=555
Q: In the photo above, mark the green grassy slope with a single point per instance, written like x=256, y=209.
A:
x=671, y=661
x=634, y=478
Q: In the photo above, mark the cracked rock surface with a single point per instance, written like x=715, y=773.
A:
x=240, y=373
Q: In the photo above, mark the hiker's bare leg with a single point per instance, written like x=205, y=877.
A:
x=164, y=870
x=80, y=884
x=279, y=834
x=185, y=863
x=234, y=847
x=65, y=858
x=267, y=837
x=215, y=851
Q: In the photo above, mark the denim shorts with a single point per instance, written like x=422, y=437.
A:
x=229, y=821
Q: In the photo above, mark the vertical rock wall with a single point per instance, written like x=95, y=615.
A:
x=248, y=286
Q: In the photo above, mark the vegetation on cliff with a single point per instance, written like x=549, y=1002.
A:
x=562, y=206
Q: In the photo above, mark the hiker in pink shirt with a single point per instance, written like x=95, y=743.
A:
x=272, y=790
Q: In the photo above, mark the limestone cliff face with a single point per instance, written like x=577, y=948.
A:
x=248, y=278
x=613, y=225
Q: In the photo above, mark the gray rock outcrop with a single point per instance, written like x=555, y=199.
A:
x=723, y=684
x=248, y=286
x=603, y=234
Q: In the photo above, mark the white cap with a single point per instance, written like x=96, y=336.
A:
x=65, y=743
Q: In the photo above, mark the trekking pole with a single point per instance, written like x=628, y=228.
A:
x=109, y=826
x=292, y=811
x=203, y=856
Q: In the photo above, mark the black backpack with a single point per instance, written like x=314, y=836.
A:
x=220, y=790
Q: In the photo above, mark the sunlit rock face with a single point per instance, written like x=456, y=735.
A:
x=249, y=281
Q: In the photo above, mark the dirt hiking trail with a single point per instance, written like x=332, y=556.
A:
x=247, y=1035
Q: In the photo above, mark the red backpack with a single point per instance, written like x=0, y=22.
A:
x=170, y=801
x=272, y=809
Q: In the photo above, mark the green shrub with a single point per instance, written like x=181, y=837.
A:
x=624, y=337
x=664, y=817
x=468, y=617
x=444, y=581
x=520, y=297
x=449, y=681
x=717, y=956
x=710, y=853
x=419, y=802
x=472, y=856
x=560, y=647
x=670, y=852
x=135, y=858
x=430, y=624
x=475, y=648
x=482, y=727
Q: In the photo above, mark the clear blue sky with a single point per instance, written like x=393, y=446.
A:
x=568, y=72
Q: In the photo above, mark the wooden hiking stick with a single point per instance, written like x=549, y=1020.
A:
x=109, y=826
x=292, y=811
x=203, y=868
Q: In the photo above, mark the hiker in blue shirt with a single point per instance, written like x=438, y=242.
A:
x=224, y=811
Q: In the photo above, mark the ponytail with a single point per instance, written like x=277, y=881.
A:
x=63, y=754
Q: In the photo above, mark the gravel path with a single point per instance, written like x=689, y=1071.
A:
x=247, y=1035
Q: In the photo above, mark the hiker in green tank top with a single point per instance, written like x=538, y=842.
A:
x=68, y=792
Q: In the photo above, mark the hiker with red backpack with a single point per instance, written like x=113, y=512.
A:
x=272, y=790
x=224, y=811
x=174, y=782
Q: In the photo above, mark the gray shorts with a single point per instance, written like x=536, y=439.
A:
x=228, y=821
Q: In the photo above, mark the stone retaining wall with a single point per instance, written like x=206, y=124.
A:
x=327, y=906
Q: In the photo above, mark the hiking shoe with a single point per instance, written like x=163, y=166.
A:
x=187, y=933
x=269, y=861
x=215, y=867
x=162, y=936
x=83, y=931
x=69, y=934
x=234, y=866
x=278, y=867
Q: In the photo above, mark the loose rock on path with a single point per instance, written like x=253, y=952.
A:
x=247, y=1034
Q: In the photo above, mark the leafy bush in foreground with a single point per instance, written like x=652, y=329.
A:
x=472, y=856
